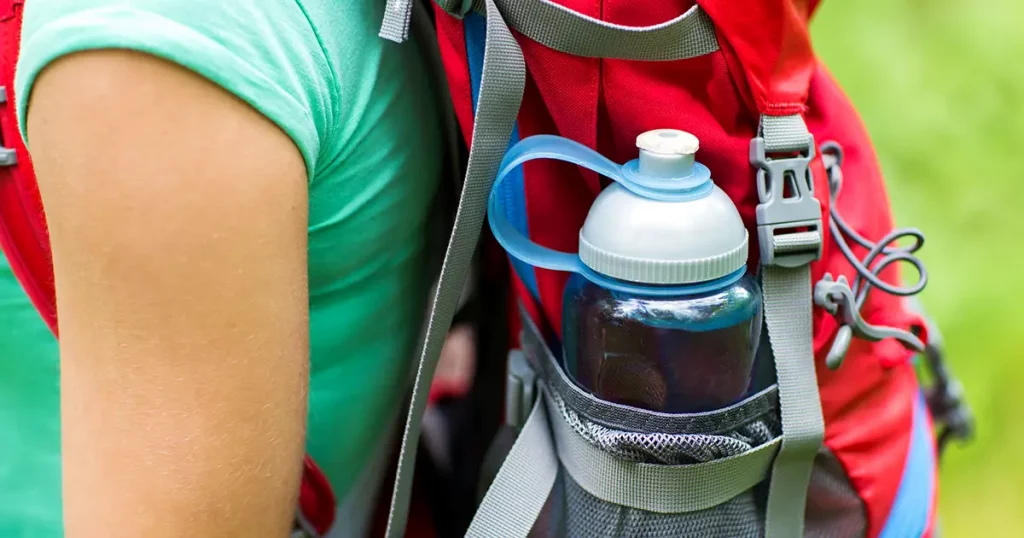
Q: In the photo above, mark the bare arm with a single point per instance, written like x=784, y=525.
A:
x=178, y=221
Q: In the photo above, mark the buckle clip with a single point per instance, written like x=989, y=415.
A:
x=788, y=227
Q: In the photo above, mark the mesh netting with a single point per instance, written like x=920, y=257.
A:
x=667, y=448
x=572, y=512
x=833, y=508
x=590, y=517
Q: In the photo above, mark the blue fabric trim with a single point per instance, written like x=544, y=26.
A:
x=909, y=515
x=513, y=191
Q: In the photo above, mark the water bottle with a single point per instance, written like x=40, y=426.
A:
x=659, y=312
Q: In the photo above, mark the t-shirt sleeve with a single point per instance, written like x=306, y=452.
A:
x=265, y=52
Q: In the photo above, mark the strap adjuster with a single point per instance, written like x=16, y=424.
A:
x=789, y=216
x=8, y=157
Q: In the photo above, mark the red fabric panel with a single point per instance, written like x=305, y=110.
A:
x=771, y=41
x=316, y=499
x=867, y=388
x=23, y=235
x=451, y=40
x=868, y=416
x=561, y=97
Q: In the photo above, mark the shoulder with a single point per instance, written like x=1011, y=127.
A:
x=265, y=52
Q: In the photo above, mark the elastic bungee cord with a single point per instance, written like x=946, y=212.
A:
x=836, y=296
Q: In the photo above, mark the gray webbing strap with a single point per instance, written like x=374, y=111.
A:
x=796, y=242
x=501, y=92
x=666, y=489
x=397, y=15
x=790, y=233
x=522, y=486
x=787, y=312
x=689, y=35
x=686, y=36
x=784, y=133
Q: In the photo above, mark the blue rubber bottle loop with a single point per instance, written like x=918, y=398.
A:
x=697, y=185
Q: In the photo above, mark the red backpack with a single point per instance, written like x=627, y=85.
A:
x=729, y=73
x=743, y=77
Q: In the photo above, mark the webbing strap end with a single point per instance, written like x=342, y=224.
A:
x=397, y=17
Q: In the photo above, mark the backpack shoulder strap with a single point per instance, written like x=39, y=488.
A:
x=23, y=236
x=504, y=74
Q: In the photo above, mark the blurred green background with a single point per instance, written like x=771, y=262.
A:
x=940, y=85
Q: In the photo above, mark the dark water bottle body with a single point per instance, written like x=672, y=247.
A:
x=680, y=354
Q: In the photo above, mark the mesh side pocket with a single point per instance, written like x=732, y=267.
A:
x=590, y=517
x=671, y=448
x=636, y=435
x=834, y=509
x=573, y=512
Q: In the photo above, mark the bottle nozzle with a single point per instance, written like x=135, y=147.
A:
x=667, y=153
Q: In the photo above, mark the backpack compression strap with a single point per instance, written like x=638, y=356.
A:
x=790, y=237
x=502, y=82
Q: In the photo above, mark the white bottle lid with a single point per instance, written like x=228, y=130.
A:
x=640, y=239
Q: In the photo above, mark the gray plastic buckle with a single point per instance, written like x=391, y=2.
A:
x=520, y=390
x=8, y=157
x=779, y=216
x=836, y=297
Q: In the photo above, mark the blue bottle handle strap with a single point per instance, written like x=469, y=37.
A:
x=542, y=147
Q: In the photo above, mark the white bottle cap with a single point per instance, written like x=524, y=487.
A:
x=666, y=153
x=668, y=141
x=640, y=239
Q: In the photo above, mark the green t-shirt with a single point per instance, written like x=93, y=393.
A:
x=362, y=113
